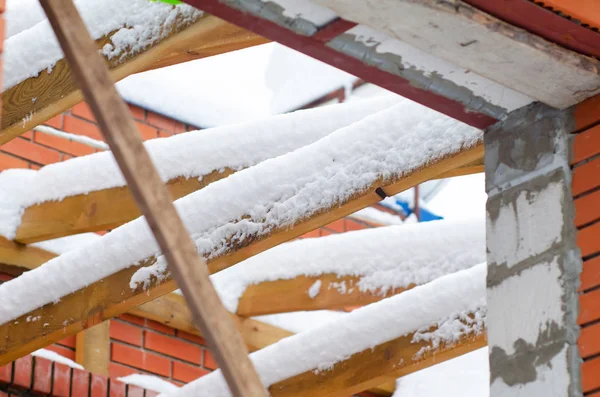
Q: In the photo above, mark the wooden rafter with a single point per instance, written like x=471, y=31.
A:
x=108, y=208
x=112, y=296
x=56, y=91
x=373, y=366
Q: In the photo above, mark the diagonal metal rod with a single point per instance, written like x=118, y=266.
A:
x=188, y=268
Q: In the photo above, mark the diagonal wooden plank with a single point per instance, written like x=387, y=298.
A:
x=38, y=99
x=112, y=296
x=152, y=197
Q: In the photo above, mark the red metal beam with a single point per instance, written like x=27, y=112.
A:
x=316, y=48
x=544, y=23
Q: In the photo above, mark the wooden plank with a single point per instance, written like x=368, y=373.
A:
x=56, y=91
x=99, y=210
x=283, y=296
x=172, y=311
x=15, y=254
x=113, y=296
x=184, y=262
x=368, y=368
x=92, y=348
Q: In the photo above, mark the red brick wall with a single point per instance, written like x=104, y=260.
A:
x=586, y=192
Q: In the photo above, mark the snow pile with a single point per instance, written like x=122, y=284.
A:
x=64, y=244
x=301, y=321
x=373, y=215
x=464, y=376
x=52, y=356
x=385, y=258
x=249, y=204
x=149, y=382
x=137, y=25
x=307, y=10
x=191, y=155
x=20, y=15
x=321, y=348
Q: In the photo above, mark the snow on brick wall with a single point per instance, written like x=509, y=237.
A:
x=586, y=192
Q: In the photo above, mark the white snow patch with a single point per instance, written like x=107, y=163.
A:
x=149, y=382
x=323, y=347
x=64, y=244
x=301, y=321
x=305, y=9
x=314, y=289
x=373, y=215
x=57, y=358
x=251, y=203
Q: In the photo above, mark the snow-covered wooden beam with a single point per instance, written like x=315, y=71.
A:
x=23, y=256
x=392, y=338
x=235, y=218
x=350, y=269
x=89, y=194
x=38, y=82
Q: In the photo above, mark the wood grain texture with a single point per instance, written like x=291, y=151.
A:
x=15, y=254
x=99, y=210
x=152, y=197
x=92, y=348
x=112, y=296
x=56, y=91
x=371, y=367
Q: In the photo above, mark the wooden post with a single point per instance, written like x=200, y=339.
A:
x=417, y=208
x=187, y=267
x=92, y=349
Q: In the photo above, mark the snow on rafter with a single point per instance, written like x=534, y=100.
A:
x=376, y=263
x=434, y=318
x=195, y=158
x=240, y=216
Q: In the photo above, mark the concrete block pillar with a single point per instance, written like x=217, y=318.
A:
x=533, y=260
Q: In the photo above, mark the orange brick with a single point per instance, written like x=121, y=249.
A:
x=83, y=110
x=28, y=135
x=587, y=113
x=160, y=327
x=31, y=151
x=133, y=319
x=81, y=127
x=589, y=341
x=590, y=379
x=139, y=359
x=209, y=360
x=2, y=5
x=117, y=388
x=165, y=123
x=586, y=144
x=134, y=391
x=69, y=341
x=117, y=370
x=2, y=33
x=173, y=347
x=192, y=338
x=325, y=232
x=587, y=209
x=137, y=112
x=126, y=332
x=164, y=134
x=589, y=307
x=22, y=372
x=81, y=383
x=6, y=373
x=311, y=234
x=34, y=167
x=586, y=177
x=187, y=373
x=63, y=351
x=146, y=131
x=62, y=144
x=7, y=161
x=61, y=385
x=337, y=226
x=353, y=225
x=588, y=241
x=98, y=386
x=56, y=122
x=42, y=376
x=590, y=276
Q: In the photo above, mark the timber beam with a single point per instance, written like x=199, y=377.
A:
x=113, y=295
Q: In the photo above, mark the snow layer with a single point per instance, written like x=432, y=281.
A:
x=20, y=15
x=321, y=348
x=464, y=376
x=149, y=382
x=235, y=87
x=138, y=24
x=301, y=321
x=251, y=203
x=190, y=155
x=64, y=244
x=52, y=356
x=384, y=258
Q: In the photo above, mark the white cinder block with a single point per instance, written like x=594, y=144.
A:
x=526, y=227
x=523, y=306
x=552, y=380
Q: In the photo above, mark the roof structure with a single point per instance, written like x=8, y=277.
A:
x=257, y=180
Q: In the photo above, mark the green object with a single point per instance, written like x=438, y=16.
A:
x=170, y=1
